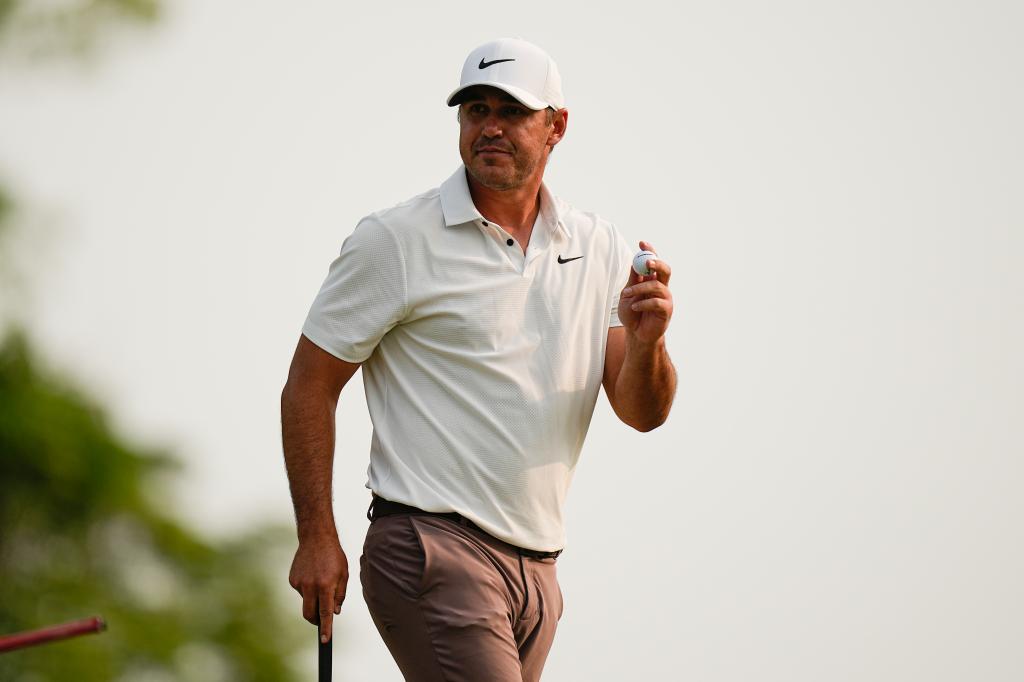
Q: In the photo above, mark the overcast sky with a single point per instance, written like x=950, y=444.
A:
x=837, y=186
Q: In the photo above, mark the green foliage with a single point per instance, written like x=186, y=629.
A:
x=6, y=9
x=6, y=206
x=62, y=27
x=80, y=533
x=79, y=536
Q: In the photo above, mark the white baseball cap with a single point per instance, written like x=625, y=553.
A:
x=517, y=67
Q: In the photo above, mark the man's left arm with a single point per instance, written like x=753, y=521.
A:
x=639, y=378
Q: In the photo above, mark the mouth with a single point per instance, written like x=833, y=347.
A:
x=492, y=150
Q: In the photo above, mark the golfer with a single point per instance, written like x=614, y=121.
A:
x=485, y=314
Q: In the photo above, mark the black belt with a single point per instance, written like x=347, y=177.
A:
x=380, y=507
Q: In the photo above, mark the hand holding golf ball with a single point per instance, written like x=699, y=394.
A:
x=640, y=262
x=645, y=306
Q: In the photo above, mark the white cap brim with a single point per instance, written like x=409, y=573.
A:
x=521, y=95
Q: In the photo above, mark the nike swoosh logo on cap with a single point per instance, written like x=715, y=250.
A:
x=485, y=64
x=566, y=260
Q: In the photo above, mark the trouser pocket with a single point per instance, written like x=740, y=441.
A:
x=393, y=558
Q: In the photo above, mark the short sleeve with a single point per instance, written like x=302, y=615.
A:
x=364, y=295
x=622, y=261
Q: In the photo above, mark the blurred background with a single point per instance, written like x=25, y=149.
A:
x=838, y=187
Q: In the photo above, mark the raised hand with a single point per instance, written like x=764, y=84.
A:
x=645, y=305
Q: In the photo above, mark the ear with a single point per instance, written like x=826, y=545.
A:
x=559, y=121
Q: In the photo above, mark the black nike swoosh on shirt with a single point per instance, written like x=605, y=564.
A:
x=566, y=260
x=485, y=64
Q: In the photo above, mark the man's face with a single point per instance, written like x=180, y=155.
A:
x=502, y=142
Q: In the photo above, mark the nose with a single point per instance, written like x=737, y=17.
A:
x=491, y=126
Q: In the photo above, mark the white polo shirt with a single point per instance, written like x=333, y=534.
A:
x=481, y=364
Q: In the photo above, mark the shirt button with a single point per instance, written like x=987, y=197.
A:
x=509, y=242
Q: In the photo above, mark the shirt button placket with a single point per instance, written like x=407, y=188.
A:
x=518, y=257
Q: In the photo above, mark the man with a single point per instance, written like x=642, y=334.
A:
x=485, y=315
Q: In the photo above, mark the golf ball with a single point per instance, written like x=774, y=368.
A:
x=640, y=262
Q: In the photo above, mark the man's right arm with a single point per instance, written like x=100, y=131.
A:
x=319, y=571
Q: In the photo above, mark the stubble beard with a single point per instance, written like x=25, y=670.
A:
x=498, y=178
x=498, y=181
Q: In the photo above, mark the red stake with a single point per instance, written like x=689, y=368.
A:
x=20, y=640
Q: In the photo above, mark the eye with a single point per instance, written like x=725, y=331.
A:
x=512, y=111
x=477, y=109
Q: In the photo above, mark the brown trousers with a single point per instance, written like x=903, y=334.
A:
x=451, y=603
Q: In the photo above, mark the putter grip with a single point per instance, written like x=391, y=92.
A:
x=325, y=657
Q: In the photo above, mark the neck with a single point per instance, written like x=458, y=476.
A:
x=514, y=209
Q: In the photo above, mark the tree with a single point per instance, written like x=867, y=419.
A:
x=81, y=530
x=81, y=533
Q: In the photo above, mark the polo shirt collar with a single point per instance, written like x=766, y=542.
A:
x=458, y=207
x=456, y=201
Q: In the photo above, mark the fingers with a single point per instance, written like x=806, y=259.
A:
x=309, y=606
x=653, y=305
x=650, y=287
x=320, y=574
x=658, y=267
x=320, y=604
x=649, y=295
x=635, y=277
x=326, y=613
x=308, y=594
